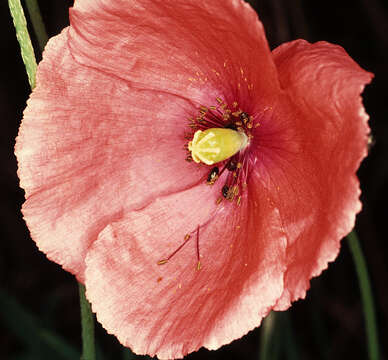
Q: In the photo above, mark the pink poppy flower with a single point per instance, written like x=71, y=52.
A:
x=178, y=254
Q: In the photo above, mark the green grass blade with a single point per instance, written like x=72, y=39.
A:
x=37, y=23
x=87, y=321
x=266, y=334
x=26, y=49
x=366, y=295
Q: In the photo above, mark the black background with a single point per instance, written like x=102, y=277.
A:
x=329, y=324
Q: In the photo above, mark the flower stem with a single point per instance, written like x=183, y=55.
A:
x=37, y=23
x=366, y=295
x=266, y=335
x=26, y=49
x=87, y=321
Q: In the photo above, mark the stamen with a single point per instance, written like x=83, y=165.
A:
x=165, y=261
x=199, y=262
x=244, y=117
x=231, y=165
x=213, y=176
x=225, y=191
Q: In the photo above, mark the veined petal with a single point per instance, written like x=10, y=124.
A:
x=90, y=148
x=190, y=48
x=313, y=172
x=172, y=309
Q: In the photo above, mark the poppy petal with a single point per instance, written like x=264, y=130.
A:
x=313, y=171
x=184, y=47
x=90, y=148
x=172, y=309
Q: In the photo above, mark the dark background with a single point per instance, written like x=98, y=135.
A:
x=39, y=301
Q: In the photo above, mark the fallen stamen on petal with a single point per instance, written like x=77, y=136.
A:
x=199, y=262
x=185, y=240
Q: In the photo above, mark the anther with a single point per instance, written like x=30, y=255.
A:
x=213, y=176
x=244, y=117
x=225, y=191
x=231, y=165
x=162, y=262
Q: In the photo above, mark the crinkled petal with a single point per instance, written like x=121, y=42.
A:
x=91, y=148
x=172, y=309
x=183, y=47
x=312, y=166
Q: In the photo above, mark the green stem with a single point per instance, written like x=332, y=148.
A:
x=87, y=321
x=27, y=51
x=37, y=23
x=266, y=334
x=366, y=295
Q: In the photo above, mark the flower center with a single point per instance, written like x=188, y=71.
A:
x=221, y=135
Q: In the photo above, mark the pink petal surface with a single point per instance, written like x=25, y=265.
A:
x=81, y=137
x=317, y=189
x=173, y=309
x=182, y=47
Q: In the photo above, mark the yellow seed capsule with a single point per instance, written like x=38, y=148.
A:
x=216, y=144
